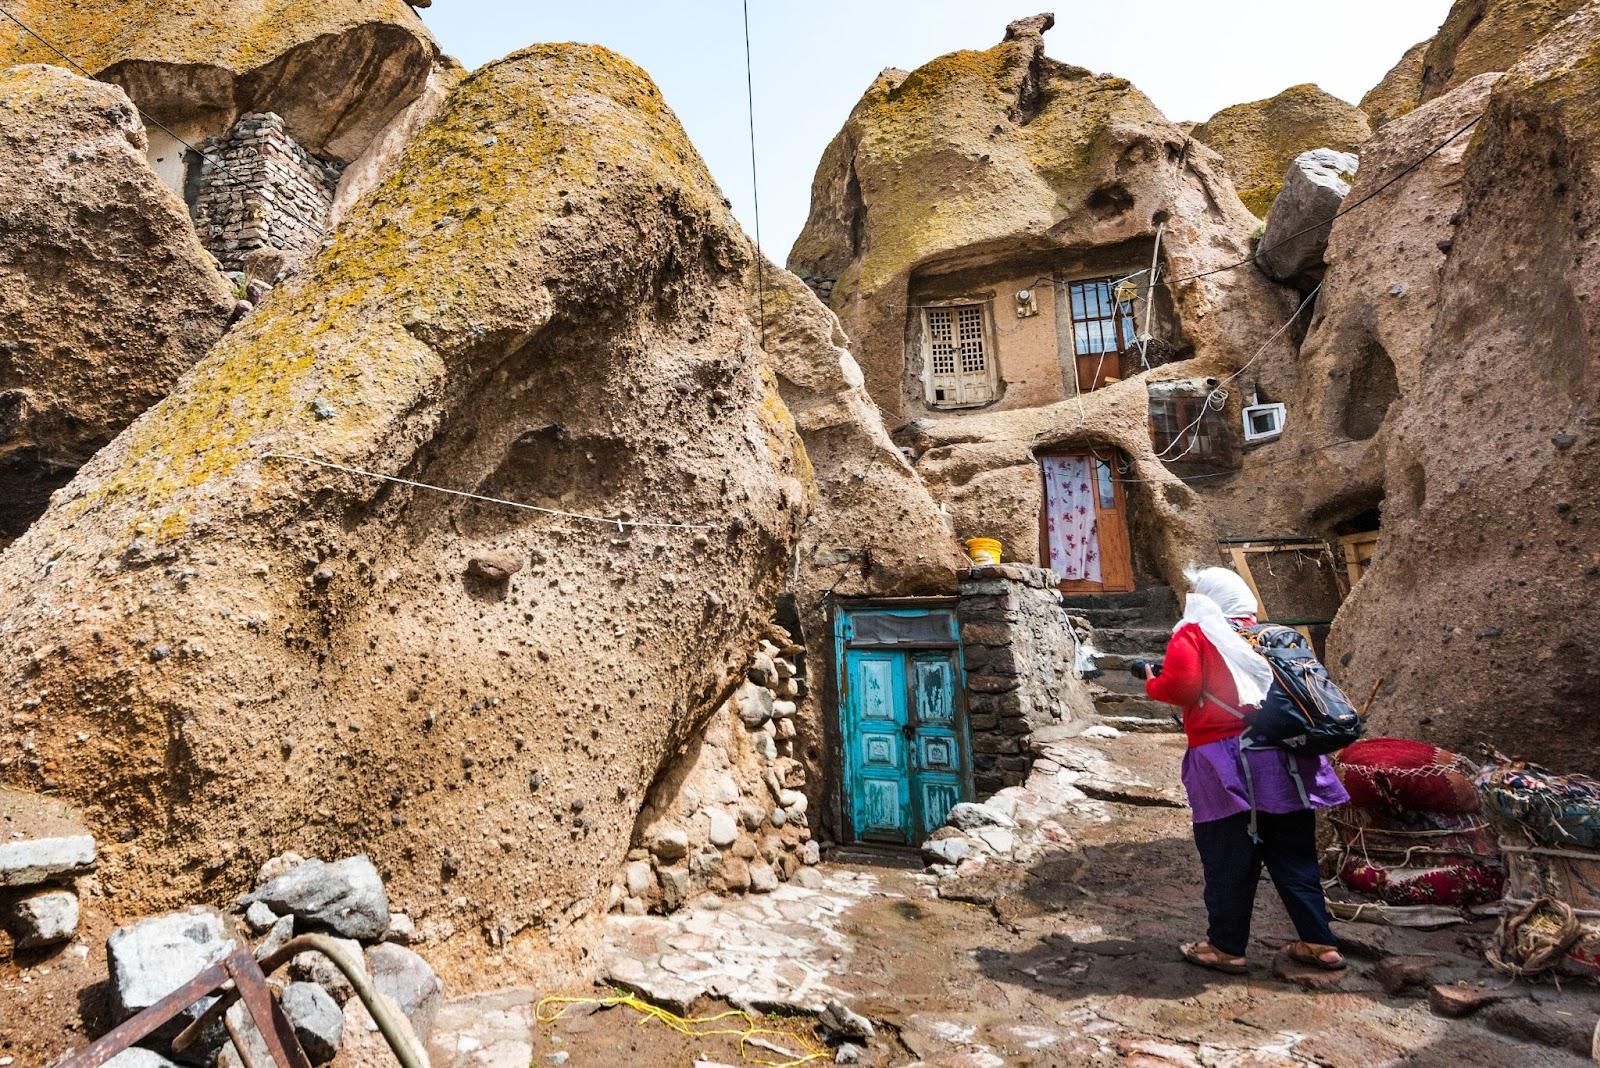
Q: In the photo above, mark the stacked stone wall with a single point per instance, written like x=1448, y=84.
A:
x=1020, y=657
x=258, y=188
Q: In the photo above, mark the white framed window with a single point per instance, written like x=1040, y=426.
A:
x=958, y=354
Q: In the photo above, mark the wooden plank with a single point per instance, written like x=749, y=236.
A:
x=1241, y=564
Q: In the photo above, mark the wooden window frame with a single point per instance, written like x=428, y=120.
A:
x=1193, y=418
x=930, y=381
x=1123, y=330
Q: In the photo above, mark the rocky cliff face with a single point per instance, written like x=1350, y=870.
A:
x=545, y=303
x=1487, y=567
x=106, y=296
x=336, y=71
x=979, y=156
x=1257, y=141
x=1477, y=37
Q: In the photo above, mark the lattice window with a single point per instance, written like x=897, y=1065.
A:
x=960, y=369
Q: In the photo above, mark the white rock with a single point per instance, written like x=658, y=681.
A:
x=810, y=853
x=277, y=866
x=150, y=959
x=639, y=877
x=139, y=1057
x=784, y=709
x=763, y=879
x=793, y=802
x=42, y=918
x=724, y=828
x=258, y=917
x=843, y=1021
x=347, y=897
x=967, y=816
x=1313, y=191
x=404, y=976
x=314, y=967
x=1101, y=730
x=667, y=841
x=401, y=929
x=30, y=861
x=946, y=850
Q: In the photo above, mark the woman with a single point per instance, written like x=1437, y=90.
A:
x=1208, y=669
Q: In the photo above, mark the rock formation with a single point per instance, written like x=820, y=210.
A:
x=337, y=72
x=1491, y=469
x=1477, y=37
x=1007, y=157
x=106, y=296
x=1314, y=189
x=545, y=302
x=1257, y=141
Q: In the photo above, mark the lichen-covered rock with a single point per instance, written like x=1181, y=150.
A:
x=1491, y=452
x=1400, y=90
x=1476, y=37
x=337, y=71
x=544, y=303
x=1314, y=188
x=1258, y=141
x=106, y=295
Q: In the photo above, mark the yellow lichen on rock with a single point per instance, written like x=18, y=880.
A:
x=1258, y=140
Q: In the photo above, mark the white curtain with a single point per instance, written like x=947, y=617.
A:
x=1069, y=493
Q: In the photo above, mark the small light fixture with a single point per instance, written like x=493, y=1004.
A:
x=1027, y=303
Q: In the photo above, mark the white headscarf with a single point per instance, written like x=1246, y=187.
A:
x=1216, y=596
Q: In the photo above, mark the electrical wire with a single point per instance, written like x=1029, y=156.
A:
x=1343, y=211
x=755, y=182
x=149, y=118
x=1254, y=465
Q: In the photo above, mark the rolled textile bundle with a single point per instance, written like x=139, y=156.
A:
x=1552, y=810
x=1399, y=775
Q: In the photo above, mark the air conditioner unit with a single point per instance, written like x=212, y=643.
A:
x=1263, y=422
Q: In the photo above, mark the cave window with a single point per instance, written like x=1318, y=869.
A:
x=1190, y=429
x=958, y=343
x=1102, y=331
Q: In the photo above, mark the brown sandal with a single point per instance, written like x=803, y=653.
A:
x=1206, y=955
x=1311, y=953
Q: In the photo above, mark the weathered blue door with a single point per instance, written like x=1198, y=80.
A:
x=901, y=720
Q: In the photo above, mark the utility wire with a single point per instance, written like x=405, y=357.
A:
x=755, y=181
x=149, y=118
x=1346, y=210
x=619, y=522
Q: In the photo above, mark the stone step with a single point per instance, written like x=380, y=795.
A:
x=1150, y=642
x=1142, y=724
x=1111, y=703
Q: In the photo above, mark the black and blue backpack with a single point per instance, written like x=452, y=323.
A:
x=1304, y=712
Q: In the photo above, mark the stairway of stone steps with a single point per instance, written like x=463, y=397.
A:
x=1128, y=627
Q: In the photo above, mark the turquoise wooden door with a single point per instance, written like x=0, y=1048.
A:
x=901, y=721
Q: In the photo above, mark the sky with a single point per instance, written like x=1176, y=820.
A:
x=813, y=60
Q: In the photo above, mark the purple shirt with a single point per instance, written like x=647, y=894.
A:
x=1215, y=782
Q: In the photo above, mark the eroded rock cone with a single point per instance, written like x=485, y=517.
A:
x=106, y=295
x=545, y=303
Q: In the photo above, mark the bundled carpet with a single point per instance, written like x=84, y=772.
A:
x=1412, y=835
x=1549, y=828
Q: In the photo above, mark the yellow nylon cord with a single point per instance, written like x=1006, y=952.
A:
x=694, y=1026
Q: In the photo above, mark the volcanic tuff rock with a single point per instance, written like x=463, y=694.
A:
x=337, y=71
x=1492, y=460
x=1002, y=155
x=545, y=302
x=1314, y=189
x=1477, y=37
x=106, y=296
x=1259, y=140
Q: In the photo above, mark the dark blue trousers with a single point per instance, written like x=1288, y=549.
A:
x=1233, y=862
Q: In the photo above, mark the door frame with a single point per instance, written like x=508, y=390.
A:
x=833, y=733
x=1080, y=587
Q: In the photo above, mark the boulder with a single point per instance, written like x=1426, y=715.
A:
x=313, y=966
x=1301, y=218
x=139, y=1057
x=30, y=861
x=346, y=897
x=41, y=918
x=968, y=816
x=1259, y=141
x=106, y=296
x=844, y=1022
x=150, y=959
x=400, y=974
x=1448, y=434
x=573, y=332
x=338, y=72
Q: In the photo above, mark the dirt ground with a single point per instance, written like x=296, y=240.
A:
x=1085, y=972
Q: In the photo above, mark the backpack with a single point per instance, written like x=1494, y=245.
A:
x=1304, y=713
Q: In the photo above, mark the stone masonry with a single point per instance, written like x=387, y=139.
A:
x=266, y=192
x=1019, y=652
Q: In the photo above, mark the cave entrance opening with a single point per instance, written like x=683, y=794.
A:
x=904, y=740
x=1084, y=533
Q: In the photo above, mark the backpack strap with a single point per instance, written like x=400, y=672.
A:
x=1206, y=696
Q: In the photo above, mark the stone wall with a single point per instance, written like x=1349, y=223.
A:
x=1020, y=659
x=728, y=814
x=266, y=191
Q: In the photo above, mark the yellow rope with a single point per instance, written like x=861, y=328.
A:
x=694, y=1026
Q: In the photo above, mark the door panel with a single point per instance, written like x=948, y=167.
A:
x=937, y=772
x=1112, y=543
x=875, y=721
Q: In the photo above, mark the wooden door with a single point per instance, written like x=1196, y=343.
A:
x=1083, y=530
x=902, y=722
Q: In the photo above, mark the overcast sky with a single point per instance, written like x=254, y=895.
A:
x=814, y=58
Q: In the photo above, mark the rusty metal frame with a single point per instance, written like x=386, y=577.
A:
x=240, y=977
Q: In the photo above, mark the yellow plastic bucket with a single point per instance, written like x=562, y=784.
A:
x=983, y=550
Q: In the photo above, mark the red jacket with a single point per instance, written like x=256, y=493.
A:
x=1193, y=666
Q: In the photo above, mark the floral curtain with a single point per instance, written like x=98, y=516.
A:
x=1070, y=517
